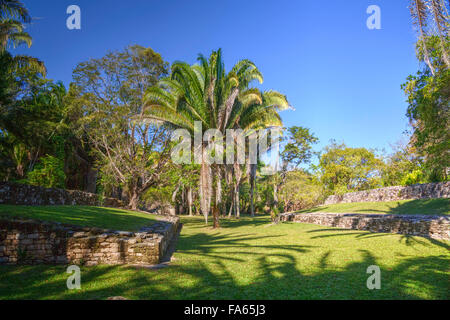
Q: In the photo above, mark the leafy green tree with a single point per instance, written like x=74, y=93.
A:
x=301, y=190
x=428, y=92
x=219, y=100
x=107, y=93
x=297, y=151
x=428, y=98
x=399, y=165
x=343, y=169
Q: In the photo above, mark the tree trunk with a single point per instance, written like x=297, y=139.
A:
x=205, y=188
x=275, y=195
x=219, y=189
x=252, y=188
x=134, y=200
x=237, y=175
x=189, y=200
x=236, y=201
x=217, y=196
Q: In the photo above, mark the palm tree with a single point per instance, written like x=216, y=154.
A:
x=442, y=22
x=13, y=16
x=419, y=15
x=431, y=17
x=14, y=9
x=219, y=100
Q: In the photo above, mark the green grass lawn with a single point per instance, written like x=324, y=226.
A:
x=251, y=259
x=108, y=218
x=425, y=207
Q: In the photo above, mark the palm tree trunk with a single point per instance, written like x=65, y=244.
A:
x=236, y=201
x=189, y=200
x=216, y=192
x=204, y=189
x=237, y=175
x=252, y=188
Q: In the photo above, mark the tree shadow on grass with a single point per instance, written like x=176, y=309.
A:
x=411, y=207
x=406, y=239
x=422, y=207
x=275, y=274
x=275, y=280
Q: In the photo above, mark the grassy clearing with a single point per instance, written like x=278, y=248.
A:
x=425, y=207
x=108, y=218
x=248, y=259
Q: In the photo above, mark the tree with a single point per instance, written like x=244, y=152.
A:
x=219, y=100
x=108, y=93
x=343, y=169
x=31, y=119
x=431, y=18
x=399, y=165
x=428, y=98
x=301, y=190
x=428, y=92
x=297, y=151
x=13, y=17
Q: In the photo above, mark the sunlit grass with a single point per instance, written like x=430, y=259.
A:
x=108, y=218
x=252, y=259
x=422, y=206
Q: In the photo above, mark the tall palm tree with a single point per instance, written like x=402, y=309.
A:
x=13, y=17
x=431, y=17
x=205, y=92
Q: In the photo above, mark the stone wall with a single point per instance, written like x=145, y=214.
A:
x=417, y=191
x=22, y=194
x=38, y=242
x=436, y=227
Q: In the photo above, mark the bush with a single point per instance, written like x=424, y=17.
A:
x=413, y=177
x=49, y=173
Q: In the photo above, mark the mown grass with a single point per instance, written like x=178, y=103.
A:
x=422, y=206
x=108, y=218
x=252, y=259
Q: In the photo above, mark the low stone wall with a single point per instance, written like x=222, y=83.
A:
x=37, y=242
x=436, y=227
x=417, y=191
x=22, y=194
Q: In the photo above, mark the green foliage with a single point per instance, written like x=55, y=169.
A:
x=401, y=163
x=301, y=190
x=298, y=149
x=48, y=173
x=413, y=177
x=428, y=97
x=343, y=169
x=106, y=102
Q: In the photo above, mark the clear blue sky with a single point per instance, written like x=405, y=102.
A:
x=342, y=78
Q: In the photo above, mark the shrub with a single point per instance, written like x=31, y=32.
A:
x=48, y=173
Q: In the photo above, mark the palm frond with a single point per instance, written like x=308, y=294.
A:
x=29, y=63
x=14, y=9
x=419, y=16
